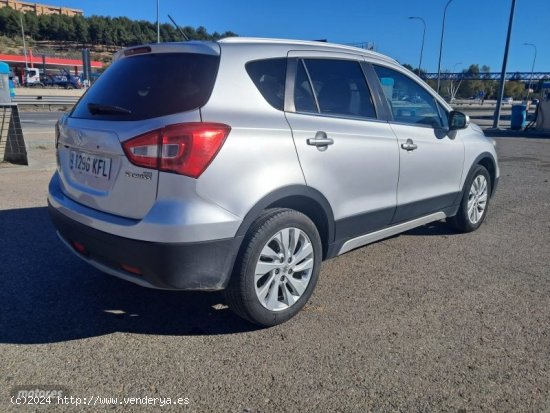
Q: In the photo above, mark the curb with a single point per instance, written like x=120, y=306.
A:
x=509, y=133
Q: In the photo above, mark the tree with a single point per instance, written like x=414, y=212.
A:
x=96, y=29
x=121, y=28
x=9, y=22
x=136, y=34
x=190, y=32
x=169, y=34
x=489, y=86
x=81, y=30
x=471, y=88
x=31, y=24
x=66, y=28
x=408, y=67
x=202, y=34
x=229, y=34
x=107, y=31
x=453, y=88
x=515, y=89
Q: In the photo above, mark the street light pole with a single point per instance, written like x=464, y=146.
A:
x=158, y=21
x=532, y=70
x=441, y=46
x=423, y=38
x=504, y=63
x=24, y=44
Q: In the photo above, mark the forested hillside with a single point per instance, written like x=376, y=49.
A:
x=95, y=30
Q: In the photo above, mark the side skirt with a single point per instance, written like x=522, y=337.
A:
x=390, y=231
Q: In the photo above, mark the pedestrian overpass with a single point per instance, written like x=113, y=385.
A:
x=521, y=76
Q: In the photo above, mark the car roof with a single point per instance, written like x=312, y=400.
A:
x=213, y=48
x=311, y=45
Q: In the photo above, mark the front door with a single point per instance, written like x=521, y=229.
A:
x=431, y=158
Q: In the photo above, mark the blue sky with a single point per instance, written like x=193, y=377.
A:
x=475, y=29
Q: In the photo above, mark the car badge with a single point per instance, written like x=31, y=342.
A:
x=79, y=139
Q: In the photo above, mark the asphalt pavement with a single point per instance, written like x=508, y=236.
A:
x=427, y=321
x=36, y=120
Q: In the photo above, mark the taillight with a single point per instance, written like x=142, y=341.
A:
x=185, y=148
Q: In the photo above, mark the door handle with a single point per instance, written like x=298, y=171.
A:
x=321, y=140
x=409, y=145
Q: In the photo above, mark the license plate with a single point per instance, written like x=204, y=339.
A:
x=91, y=165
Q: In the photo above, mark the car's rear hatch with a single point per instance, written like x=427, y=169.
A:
x=145, y=89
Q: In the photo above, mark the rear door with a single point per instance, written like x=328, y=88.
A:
x=145, y=92
x=346, y=152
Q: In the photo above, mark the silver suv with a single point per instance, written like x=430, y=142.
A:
x=241, y=165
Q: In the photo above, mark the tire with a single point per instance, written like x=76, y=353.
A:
x=475, y=201
x=265, y=287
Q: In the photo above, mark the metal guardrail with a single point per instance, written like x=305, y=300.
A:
x=46, y=100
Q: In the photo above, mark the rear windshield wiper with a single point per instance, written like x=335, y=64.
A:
x=102, y=109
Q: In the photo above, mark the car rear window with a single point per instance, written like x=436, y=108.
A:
x=269, y=77
x=150, y=85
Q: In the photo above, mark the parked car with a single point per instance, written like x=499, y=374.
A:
x=240, y=165
x=508, y=100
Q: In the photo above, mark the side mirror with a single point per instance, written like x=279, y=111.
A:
x=458, y=120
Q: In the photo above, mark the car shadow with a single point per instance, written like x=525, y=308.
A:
x=48, y=295
x=435, y=228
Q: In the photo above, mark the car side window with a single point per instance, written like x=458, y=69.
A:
x=304, y=101
x=339, y=88
x=269, y=76
x=409, y=102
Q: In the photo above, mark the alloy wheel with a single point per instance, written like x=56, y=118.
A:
x=477, y=199
x=284, y=269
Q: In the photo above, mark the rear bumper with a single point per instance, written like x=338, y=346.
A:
x=176, y=266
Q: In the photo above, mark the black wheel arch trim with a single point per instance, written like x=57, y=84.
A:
x=288, y=193
x=477, y=161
